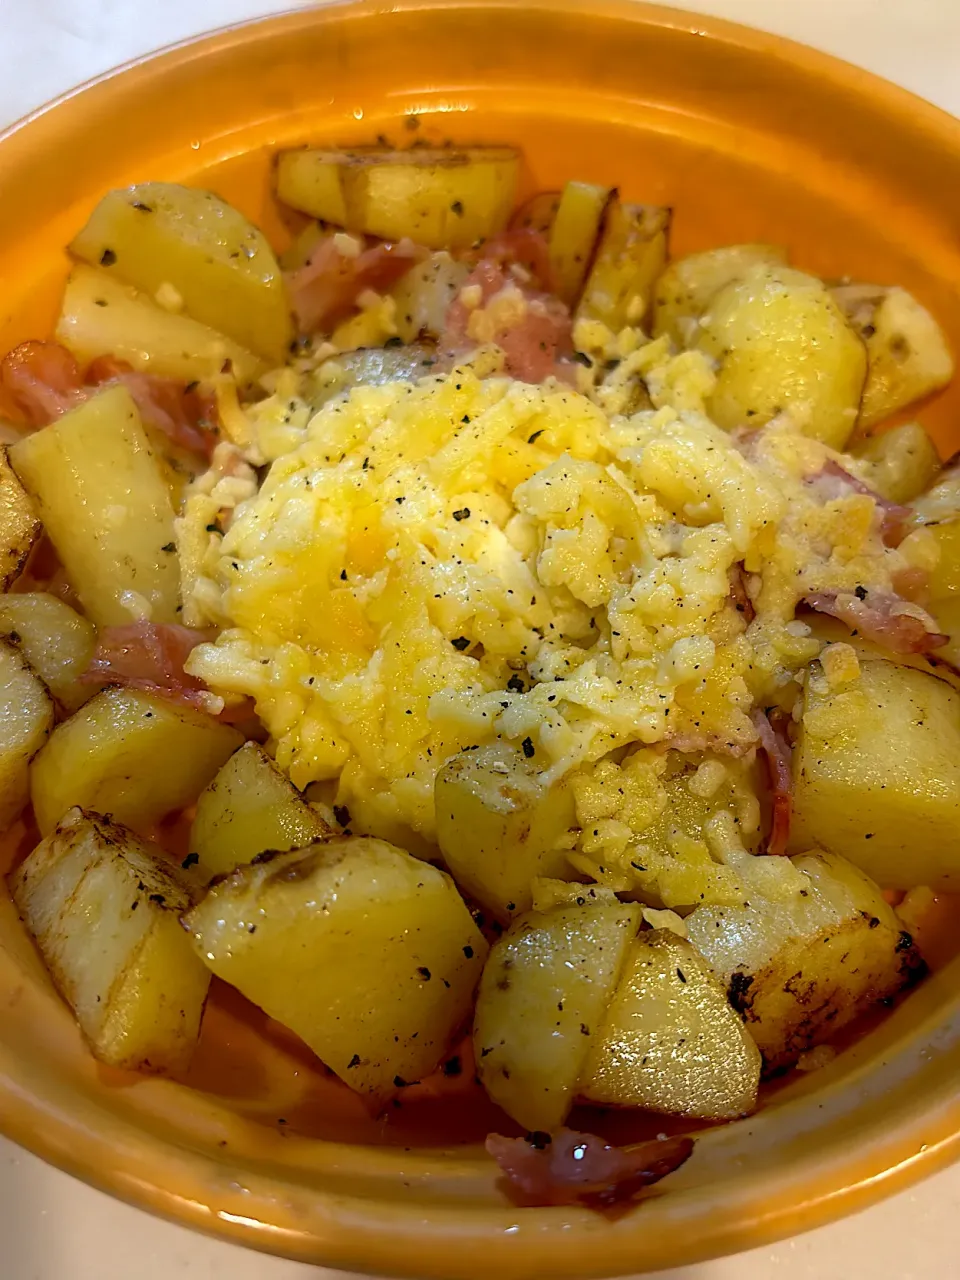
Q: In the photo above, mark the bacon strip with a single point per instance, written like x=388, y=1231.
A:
x=532, y=329
x=893, y=521
x=41, y=381
x=578, y=1168
x=328, y=287
x=776, y=749
x=187, y=417
x=524, y=247
x=875, y=616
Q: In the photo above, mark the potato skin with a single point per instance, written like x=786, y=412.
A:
x=133, y=983
x=798, y=971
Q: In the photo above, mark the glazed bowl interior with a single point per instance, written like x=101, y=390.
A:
x=749, y=139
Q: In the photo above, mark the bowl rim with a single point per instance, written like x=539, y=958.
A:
x=925, y=1141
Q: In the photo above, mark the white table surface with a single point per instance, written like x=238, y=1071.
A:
x=53, y=1228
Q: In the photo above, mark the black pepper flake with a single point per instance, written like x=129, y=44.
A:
x=343, y=575
x=457, y=208
x=213, y=528
x=462, y=514
x=581, y=357
x=393, y=341
x=190, y=860
x=424, y=973
x=461, y=643
x=468, y=951
x=860, y=593
x=516, y=685
x=584, y=1029
x=169, y=546
x=681, y=975
x=529, y=749
x=453, y=1066
x=399, y=1082
x=354, y=1061
x=107, y=258
x=399, y=501
x=342, y=814
x=159, y=899
x=251, y=928
x=536, y=434
x=539, y=1140
x=141, y=207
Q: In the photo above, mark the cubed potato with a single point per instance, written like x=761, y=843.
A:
x=26, y=718
x=446, y=199
x=499, y=827
x=424, y=294
x=104, y=908
x=248, y=808
x=907, y=352
x=57, y=641
x=941, y=501
x=686, y=288
x=19, y=526
x=903, y=461
x=781, y=342
x=574, y=234
x=877, y=775
x=102, y=316
x=670, y=1042
x=105, y=505
x=132, y=755
x=798, y=971
x=945, y=576
x=629, y=258
x=544, y=992
x=368, y=954
x=160, y=234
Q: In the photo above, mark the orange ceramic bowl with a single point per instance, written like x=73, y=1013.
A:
x=749, y=138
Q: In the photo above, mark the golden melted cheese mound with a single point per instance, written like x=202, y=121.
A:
x=428, y=567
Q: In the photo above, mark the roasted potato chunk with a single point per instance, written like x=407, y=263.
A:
x=877, y=775
x=106, y=508
x=26, y=718
x=903, y=461
x=57, y=642
x=159, y=235
x=907, y=353
x=685, y=289
x=368, y=954
x=781, y=342
x=629, y=258
x=798, y=971
x=446, y=199
x=131, y=755
x=499, y=827
x=544, y=992
x=102, y=316
x=573, y=235
x=19, y=526
x=670, y=1042
x=250, y=807
x=103, y=907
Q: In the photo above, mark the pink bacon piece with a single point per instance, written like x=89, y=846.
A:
x=778, y=755
x=578, y=1168
x=893, y=520
x=329, y=286
x=150, y=657
x=880, y=618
